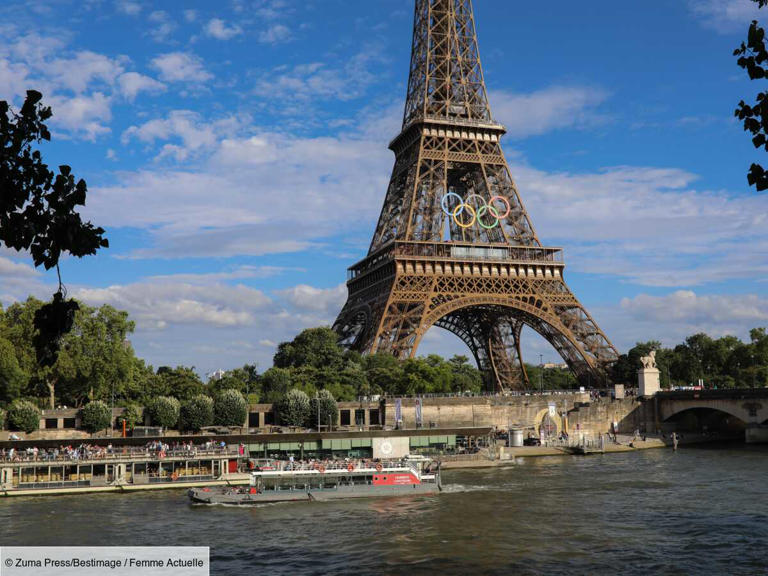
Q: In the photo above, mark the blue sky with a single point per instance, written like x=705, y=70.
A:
x=236, y=154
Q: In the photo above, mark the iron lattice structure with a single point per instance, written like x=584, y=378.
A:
x=454, y=246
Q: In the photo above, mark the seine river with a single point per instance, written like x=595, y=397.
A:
x=697, y=511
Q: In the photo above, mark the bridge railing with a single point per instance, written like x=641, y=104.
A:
x=714, y=394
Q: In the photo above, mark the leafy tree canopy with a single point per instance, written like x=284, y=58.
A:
x=96, y=416
x=230, y=408
x=38, y=212
x=181, y=382
x=753, y=56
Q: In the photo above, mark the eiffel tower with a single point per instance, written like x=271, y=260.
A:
x=454, y=247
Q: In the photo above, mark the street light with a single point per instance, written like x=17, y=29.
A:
x=541, y=371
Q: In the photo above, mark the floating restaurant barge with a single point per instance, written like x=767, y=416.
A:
x=130, y=466
x=124, y=471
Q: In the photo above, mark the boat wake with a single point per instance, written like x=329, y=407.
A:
x=459, y=488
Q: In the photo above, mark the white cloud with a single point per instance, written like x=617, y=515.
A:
x=673, y=317
x=272, y=9
x=217, y=28
x=85, y=68
x=187, y=127
x=190, y=15
x=649, y=226
x=34, y=48
x=239, y=273
x=687, y=307
x=128, y=7
x=326, y=300
x=181, y=67
x=83, y=115
x=725, y=16
x=13, y=79
x=18, y=279
x=546, y=110
x=318, y=81
x=131, y=83
x=164, y=26
x=156, y=305
x=235, y=201
x=80, y=86
x=14, y=268
x=275, y=34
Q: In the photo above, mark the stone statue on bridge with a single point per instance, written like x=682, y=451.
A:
x=648, y=375
x=650, y=360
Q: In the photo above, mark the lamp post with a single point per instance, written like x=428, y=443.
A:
x=112, y=408
x=541, y=372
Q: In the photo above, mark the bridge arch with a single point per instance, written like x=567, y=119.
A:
x=706, y=418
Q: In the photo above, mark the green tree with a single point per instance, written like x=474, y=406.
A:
x=164, y=411
x=96, y=359
x=293, y=409
x=24, y=415
x=315, y=347
x=466, y=378
x=12, y=378
x=132, y=414
x=245, y=380
x=325, y=406
x=384, y=372
x=230, y=408
x=275, y=383
x=196, y=413
x=180, y=382
x=17, y=325
x=38, y=213
x=753, y=55
x=96, y=416
x=143, y=384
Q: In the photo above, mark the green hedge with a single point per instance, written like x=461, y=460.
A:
x=164, y=411
x=196, y=413
x=95, y=416
x=24, y=416
x=230, y=408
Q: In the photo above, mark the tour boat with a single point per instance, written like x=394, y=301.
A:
x=317, y=481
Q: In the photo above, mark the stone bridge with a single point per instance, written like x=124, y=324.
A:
x=748, y=405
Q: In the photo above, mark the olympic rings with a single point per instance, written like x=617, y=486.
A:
x=477, y=207
x=501, y=216
x=458, y=210
x=445, y=197
x=487, y=208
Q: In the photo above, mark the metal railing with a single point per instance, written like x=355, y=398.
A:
x=142, y=453
x=454, y=251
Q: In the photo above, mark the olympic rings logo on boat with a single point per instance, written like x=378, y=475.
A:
x=477, y=212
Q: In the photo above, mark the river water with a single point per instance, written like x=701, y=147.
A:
x=697, y=511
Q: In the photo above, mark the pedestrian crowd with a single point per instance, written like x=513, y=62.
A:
x=154, y=448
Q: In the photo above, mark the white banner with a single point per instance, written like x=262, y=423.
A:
x=101, y=560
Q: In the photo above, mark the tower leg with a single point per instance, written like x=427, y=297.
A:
x=506, y=358
x=495, y=343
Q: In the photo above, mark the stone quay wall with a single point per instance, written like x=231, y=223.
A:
x=571, y=412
